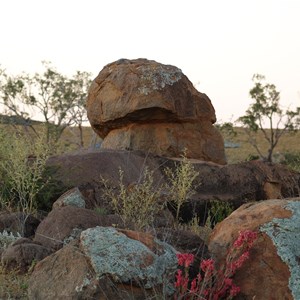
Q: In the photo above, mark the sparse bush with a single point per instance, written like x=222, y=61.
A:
x=22, y=163
x=138, y=202
x=180, y=182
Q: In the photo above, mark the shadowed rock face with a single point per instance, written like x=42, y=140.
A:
x=144, y=105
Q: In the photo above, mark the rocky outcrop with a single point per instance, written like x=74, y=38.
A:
x=106, y=263
x=144, y=105
x=273, y=267
x=237, y=184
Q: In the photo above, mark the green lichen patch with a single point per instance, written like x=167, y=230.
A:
x=73, y=198
x=127, y=260
x=285, y=234
x=157, y=78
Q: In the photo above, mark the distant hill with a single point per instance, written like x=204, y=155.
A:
x=17, y=120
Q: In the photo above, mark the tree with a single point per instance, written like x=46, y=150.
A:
x=79, y=82
x=265, y=112
x=55, y=97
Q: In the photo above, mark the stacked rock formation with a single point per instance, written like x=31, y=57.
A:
x=144, y=105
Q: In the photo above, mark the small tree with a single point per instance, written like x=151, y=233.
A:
x=51, y=95
x=266, y=112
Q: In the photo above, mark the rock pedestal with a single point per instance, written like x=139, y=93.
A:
x=144, y=105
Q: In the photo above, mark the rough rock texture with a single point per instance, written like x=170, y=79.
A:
x=237, y=184
x=72, y=197
x=144, y=105
x=272, y=272
x=66, y=223
x=18, y=222
x=96, y=266
x=66, y=274
x=128, y=256
x=21, y=254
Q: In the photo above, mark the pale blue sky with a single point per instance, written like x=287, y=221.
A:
x=218, y=44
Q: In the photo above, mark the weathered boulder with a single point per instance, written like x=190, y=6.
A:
x=20, y=255
x=272, y=270
x=105, y=263
x=66, y=223
x=72, y=197
x=144, y=105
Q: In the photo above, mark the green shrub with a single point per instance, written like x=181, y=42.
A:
x=219, y=210
x=292, y=160
x=22, y=163
x=136, y=203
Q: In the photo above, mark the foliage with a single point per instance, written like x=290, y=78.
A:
x=226, y=129
x=219, y=210
x=57, y=98
x=180, y=182
x=292, y=160
x=22, y=163
x=137, y=202
x=266, y=112
x=212, y=283
x=51, y=189
x=7, y=238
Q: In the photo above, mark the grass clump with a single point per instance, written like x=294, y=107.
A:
x=292, y=160
x=13, y=285
x=138, y=202
x=22, y=163
x=181, y=182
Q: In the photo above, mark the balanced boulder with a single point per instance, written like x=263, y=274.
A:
x=144, y=105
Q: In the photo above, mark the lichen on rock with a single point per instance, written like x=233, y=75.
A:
x=285, y=234
x=127, y=260
x=157, y=78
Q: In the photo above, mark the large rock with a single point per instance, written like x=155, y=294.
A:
x=272, y=271
x=106, y=263
x=237, y=184
x=20, y=255
x=144, y=105
x=64, y=224
x=72, y=197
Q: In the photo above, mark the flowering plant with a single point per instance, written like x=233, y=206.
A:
x=210, y=283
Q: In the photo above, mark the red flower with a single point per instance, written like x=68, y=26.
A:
x=207, y=265
x=185, y=259
x=245, y=237
x=234, y=290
